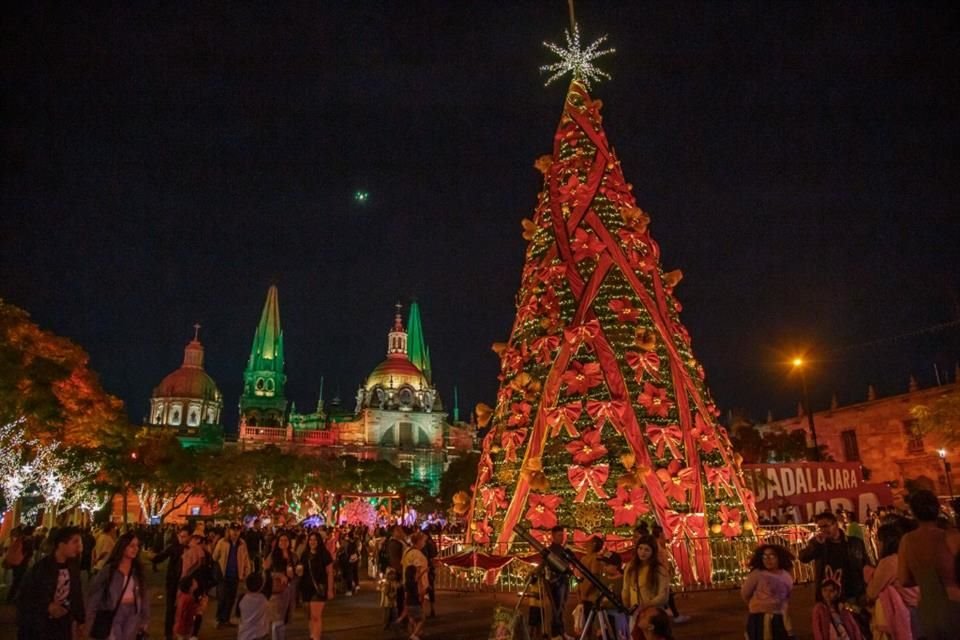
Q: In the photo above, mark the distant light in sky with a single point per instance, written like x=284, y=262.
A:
x=361, y=196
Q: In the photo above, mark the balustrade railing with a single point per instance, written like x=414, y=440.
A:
x=730, y=559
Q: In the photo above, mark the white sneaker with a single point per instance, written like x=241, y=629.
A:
x=681, y=619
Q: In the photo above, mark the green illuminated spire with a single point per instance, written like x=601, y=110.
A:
x=263, y=401
x=417, y=349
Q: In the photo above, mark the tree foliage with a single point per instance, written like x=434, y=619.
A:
x=940, y=418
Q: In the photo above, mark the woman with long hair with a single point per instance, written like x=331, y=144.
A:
x=281, y=564
x=646, y=584
x=316, y=581
x=121, y=587
x=895, y=610
x=767, y=592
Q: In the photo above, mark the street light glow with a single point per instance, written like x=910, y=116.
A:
x=798, y=362
x=942, y=452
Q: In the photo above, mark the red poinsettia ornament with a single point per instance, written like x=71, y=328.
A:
x=582, y=376
x=542, y=513
x=677, y=480
x=655, y=400
x=730, y=521
x=628, y=505
x=587, y=449
x=585, y=245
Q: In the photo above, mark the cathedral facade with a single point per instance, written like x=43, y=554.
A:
x=398, y=415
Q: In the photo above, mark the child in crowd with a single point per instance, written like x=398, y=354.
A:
x=658, y=627
x=831, y=621
x=767, y=592
x=413, y=601
x=254, y=610
x=188, y=607
x=388, y=596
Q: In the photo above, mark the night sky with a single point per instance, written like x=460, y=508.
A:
x=164, y=165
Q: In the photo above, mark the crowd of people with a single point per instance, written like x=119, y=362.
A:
x=894, y=578
x=258, y=575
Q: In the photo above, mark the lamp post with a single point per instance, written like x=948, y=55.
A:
x=798, y=365
x=947, y=470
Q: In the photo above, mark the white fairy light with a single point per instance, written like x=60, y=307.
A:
x=575, y=60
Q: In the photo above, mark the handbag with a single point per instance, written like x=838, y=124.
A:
x=103, y=620
x=319, y=593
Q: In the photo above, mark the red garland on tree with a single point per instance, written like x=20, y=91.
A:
x=598, y=341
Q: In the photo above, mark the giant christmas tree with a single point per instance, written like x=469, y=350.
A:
x=603, y=417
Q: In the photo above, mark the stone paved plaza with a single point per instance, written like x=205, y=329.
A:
x=718, y=615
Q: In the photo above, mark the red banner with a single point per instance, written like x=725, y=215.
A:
x=803, y=489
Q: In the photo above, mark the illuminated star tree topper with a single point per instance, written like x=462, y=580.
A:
x=577, y=61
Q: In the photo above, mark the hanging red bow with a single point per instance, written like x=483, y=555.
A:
x=628, y=505
x=542, y=513
x=666, y=437
x=544, y=348
x=719, y=479
x=632, y=239
x=677, y=480
x=581, y=377
x=587, y=449
x=603, y=411
x=519, y=414
x=584, y=479
x=730, y=521
x=647, y=362
x=689, y=533
x=510, y=441
x=582, y=333
x=564, y=417
x=705, y=434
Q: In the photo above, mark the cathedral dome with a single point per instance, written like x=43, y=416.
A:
x=396, y=371
x=190, y=380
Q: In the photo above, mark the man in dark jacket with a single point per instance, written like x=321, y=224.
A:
x=831, y=548
x=173, y=554
x=50, y=599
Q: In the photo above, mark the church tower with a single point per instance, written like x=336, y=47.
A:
x=417, y=349
x=263, y=402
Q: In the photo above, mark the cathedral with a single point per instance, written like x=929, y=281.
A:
x=398, y=415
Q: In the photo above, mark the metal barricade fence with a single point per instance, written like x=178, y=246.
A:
x=730, y=559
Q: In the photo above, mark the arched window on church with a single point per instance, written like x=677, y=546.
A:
x=175, y=417
x=193, y=418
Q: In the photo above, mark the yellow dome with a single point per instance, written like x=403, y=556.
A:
x=396, y=371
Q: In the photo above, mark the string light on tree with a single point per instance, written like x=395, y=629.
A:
x=577, y=61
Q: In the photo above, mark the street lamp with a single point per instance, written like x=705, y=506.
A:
x=798, y=365
x=947, y=470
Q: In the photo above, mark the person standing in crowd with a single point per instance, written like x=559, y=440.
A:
x=831, y=619
x=557, y=584
x=120, y=586
x=281, y=564
x=927, y=559
x=17, y=557
x=231, y=556
x=831, y=548
x=348, y=557
x=388, y=596
x=395, y=549
x=431, y=552
x=254, y=539
x=173, y=555
x=316, y=582
x=414, y=592
x=86, y=558
x=646, y=582
x=189, y=602
x=254, y=609
x=767, y=592
x=51, y=599
x=104, y=546
x=895, y=610
x=591, y=560
x=666, y=557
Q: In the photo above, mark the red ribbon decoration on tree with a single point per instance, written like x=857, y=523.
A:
x=603, y=411
x=510, y=440
x=564, y=417
x=666, y=438
x=690, y=530
x=719, y=479
x=585, y=333
x=493, y=499
x=584, y=479
x=544, y=348
x=647, y=362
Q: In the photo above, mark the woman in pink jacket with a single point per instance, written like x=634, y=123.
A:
x=895, y=609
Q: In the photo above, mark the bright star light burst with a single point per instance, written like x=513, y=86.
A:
x=576, y=60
